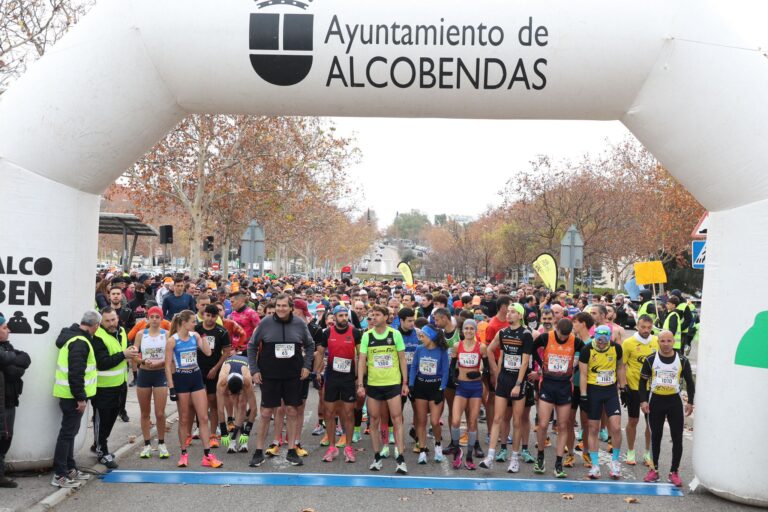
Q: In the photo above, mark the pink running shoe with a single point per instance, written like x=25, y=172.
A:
x=349, y=454
x=674, y=479
x=470, y=465
x=210, y=461
x=183, y=460
x=330, y=454
x=457, y=456
x=651, y=476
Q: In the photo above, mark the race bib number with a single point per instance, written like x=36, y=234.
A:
x=382, y=361
x=153, y=353
x=469, y=360
x=428, y=366
x=211, y=341
x=188, y=358
x=512, y=361
x=342, y=365
x=666, y=379
x=284, y=350
x=606, y=377
x=558, y=364
x=409, y=357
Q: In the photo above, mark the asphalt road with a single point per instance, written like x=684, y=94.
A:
x=98, y=494
x=388, y=263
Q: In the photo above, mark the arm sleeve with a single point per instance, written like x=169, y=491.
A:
x=445, y=362
x=104, y=361
x=309, y=348
x=584, y=355
x=690, y=385
x=645, y=376
x=78, y=356
x=619, y=353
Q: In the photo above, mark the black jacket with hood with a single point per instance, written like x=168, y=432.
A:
x=78, y=358
x=13, y=364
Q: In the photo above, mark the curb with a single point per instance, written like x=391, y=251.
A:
x=57, y=497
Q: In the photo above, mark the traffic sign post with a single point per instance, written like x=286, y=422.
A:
x=572, y=253
x=698, y=254
x=252, y=247
x=700, y=231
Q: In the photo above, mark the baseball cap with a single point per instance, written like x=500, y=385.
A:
x=2, y=320
x=476, y=300
x=168, y=280
x=489, y=290
x=603, y=331
x=340, y=309
x=301, y=305
x=519, y=308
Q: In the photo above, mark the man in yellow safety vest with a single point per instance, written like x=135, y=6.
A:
x=75, y=383
x=110, y=345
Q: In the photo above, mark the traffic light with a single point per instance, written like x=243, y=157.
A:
x=208, y=243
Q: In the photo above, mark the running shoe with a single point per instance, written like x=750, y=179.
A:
x=213, y=442
x=651, y=476
x=342, y=441
x=324, y=441
x=77, y=475
x=232, y=448
x=397, y=452
x=416, y=448
x=391, y=438
x=486, y=463
x=559, y=473
x=422, y=458
x=356, y=435
x=477, y=450
x=401, y=468
x=439, y=454
x=615, y=471
x=569, y=461
x=183, y=460
x=502, y=455
x=293, y=458
x=538, y=467
x=108, y=460
x=367, y=430
x=318, y=430
x=210, y=461
x=257, y=460
x=273, y=450
x=331, y=453
x=464, y=439
x=196, y=433
x=481, y=416
x=630, y=460
x=64, y=482
x=412, y=433
x=146, y=452
x=376, y=465
x=469, y=463
x=384, y=453
x=450, y=449
x=594, y=472
x=457, y=456
x=509, y=439
x=349, y=454
x=339, y=429
x=587, y=460
x=187, y=442
x=580, y=446
x=648, y=460
x=300, y=451
x=579, y=433
x=242, y=448
x=674, y=479
x=162, y=451
x=527, y=457
x=603, y=435
x=514, y=465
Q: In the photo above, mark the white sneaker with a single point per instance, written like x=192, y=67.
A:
x=162, y=451
x=232, y=448
x=242, y=448
x=422, y=458
x=486, y=463
x=376, y=465
x=64, y=482
x=439, y=454
x=75, y=474
x=594, y=472
x=402, y=468
x=615, y=471
x=146, y=453
x=195, y=433
x=514, y=465
x=384, y=453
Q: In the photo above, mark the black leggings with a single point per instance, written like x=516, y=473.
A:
x=669, y=408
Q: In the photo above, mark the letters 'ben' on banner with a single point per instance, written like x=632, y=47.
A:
x=546, y=267
x=650, y=272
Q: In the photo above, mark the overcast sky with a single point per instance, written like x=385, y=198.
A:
x=458, y=166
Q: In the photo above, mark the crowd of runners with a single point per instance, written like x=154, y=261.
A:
x=454, y=353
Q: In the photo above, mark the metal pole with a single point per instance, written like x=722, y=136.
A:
x=572, y=262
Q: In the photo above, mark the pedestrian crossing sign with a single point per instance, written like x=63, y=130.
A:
x=698, y=253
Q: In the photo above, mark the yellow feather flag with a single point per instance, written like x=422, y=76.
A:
x=546, y=267
x=405, y=269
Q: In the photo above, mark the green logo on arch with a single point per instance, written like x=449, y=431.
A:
x=753, y=348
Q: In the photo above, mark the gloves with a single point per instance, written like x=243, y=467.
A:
x=225, y=440
x=584, y=403
x=243, y=439
x=173, y=394
x=624, y=396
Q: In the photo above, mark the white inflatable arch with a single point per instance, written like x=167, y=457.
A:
x=674, y=72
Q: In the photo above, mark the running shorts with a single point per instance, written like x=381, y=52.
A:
x=340, y=390
x=558, y=392
x=276, y=391
x=383, y=393
x=151, y=379
x=603, y=398
x=188, y=381
x=470, y=389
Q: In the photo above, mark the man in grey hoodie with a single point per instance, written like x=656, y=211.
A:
x=280, y=356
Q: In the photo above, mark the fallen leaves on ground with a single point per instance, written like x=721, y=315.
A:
x=403, y=498
x=429, y=491
x=567, y=496
x=308, y=509
x=631, y=499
